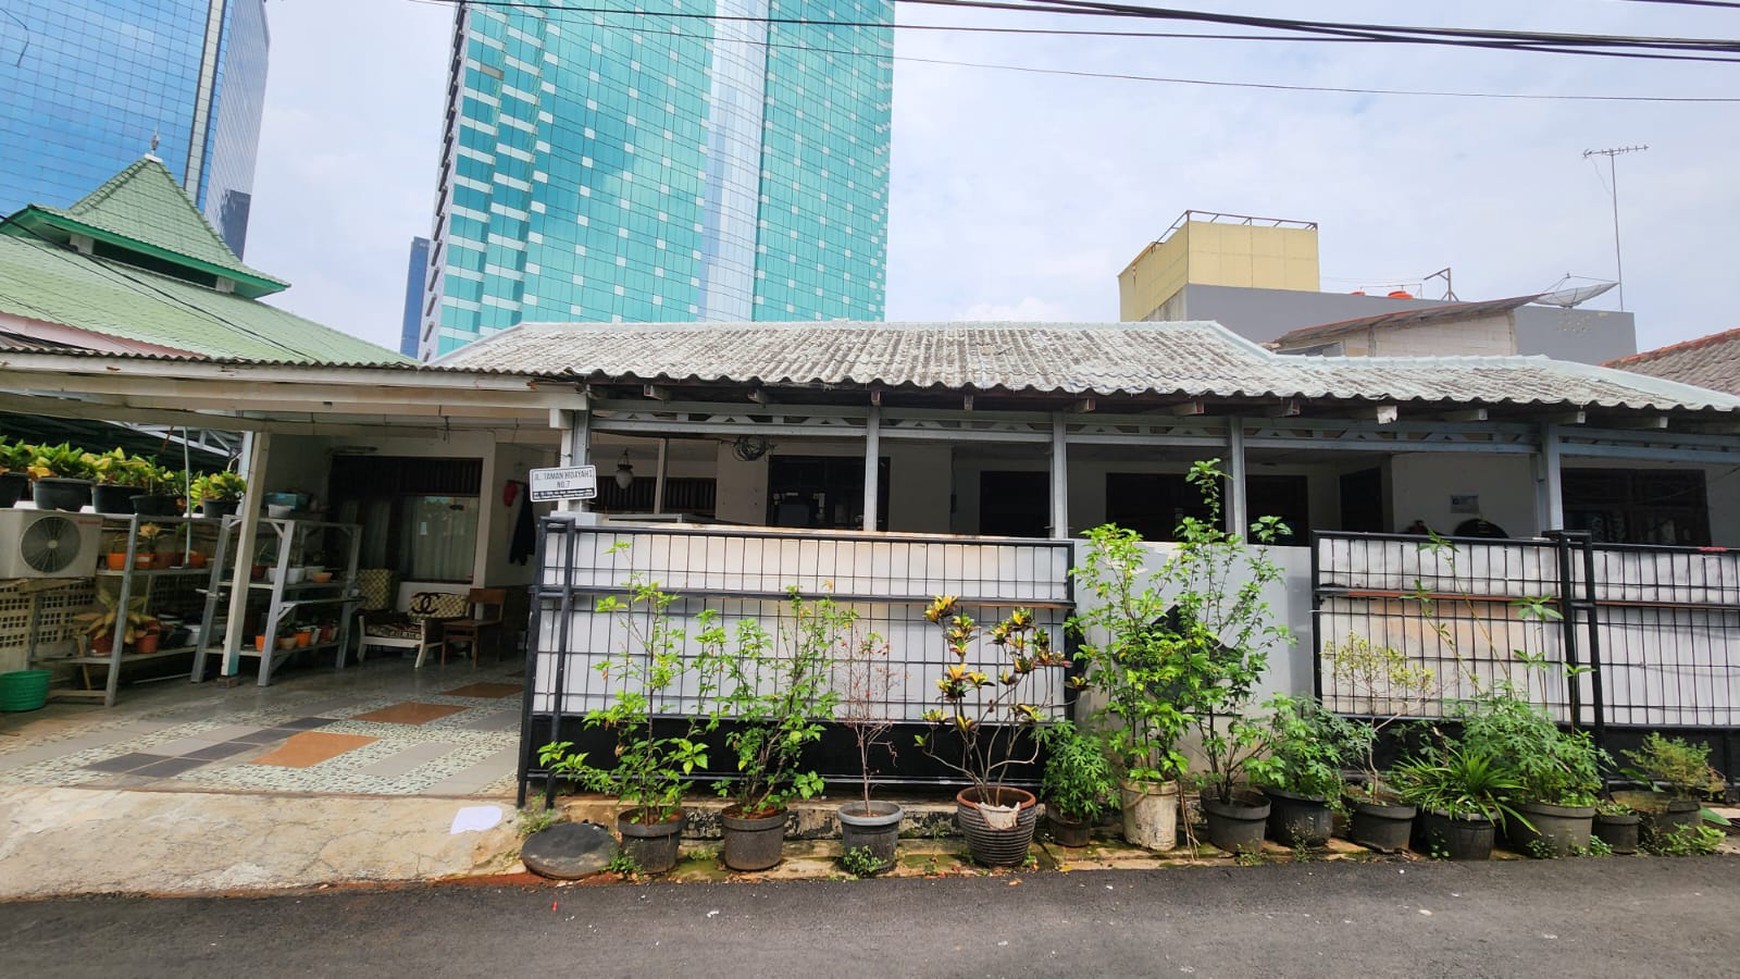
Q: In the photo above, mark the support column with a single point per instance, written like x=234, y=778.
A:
x=1238, y=511
x=1549, y=494
x=872, y=467
x=256, y=446
x=1059, y=476
x=659, y=476
x=576, y=428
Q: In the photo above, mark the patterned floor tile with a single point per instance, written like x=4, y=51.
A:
x=491, y=690
x=411, y=712
x=310, y=748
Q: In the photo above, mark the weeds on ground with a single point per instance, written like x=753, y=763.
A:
x=623, y=863
x=1686, y=841
x=531, y=820
x=861, y=861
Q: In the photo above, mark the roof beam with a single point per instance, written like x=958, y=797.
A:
x=1644, y=422
x=759, y=396
x=656, y=392
x=1082, y=406
x=1387, y=414
x=1290, y=408
x=1575, y=417
x=1189, y=408
x=1465, y=415
x=966, y=402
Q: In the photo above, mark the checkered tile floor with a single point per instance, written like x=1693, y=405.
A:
x=382, y=728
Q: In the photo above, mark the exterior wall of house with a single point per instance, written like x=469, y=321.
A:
x=1239, y=255
x=1422, y=484
x=1485, y=336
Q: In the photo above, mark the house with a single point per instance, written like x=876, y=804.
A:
x=1480, y=329
x=1712, y=362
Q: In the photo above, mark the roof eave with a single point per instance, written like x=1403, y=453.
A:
x=248, y=284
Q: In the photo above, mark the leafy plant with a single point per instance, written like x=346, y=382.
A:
x=865, y=682
x=1694, y=840
x=15, y=457
x=116, y=468
x=1307, y=747
x=776, y=691
x=1679, y=766
x=224, y=485
x=622, y=862
x=531, y=820
x=1079, y=781
x=62, y=461
x=1560, y=768
x=651, y=771
x=985, y=714
x=101, y=621
x=861, y=861
x=1378, y=675
x=1461, y=781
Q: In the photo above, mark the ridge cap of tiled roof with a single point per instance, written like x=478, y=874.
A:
x=1696, y=343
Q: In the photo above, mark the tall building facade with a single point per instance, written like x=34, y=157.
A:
x=87, y=87
x=417, y=270
x=726, y=164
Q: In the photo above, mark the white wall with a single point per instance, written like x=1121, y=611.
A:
x=1421, y=484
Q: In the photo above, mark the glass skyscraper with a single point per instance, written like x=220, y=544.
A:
x=87, y=85
x=726, y=160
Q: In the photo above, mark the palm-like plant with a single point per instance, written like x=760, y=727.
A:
x=1461, y=781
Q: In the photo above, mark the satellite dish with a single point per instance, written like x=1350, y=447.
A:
x=1574, y=296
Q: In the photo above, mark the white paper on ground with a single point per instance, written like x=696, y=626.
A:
x=475, y=819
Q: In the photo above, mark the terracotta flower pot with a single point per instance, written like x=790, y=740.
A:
x=115, y=560
x=146, y=643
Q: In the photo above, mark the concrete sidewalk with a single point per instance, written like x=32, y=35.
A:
x=67, y=841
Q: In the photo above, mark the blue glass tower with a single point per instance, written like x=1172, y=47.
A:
x=417, y=269
x=86, y=85
x=633, y=167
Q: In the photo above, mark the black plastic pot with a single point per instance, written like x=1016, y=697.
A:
x=752, y=842
x=107, y=498
x=1618, y=831
x=1066, y=831
x=55, y=493
x=875, y=827
x=1457, y=837
x=219, y=508
x=991, y=846
x=1299, y=820
x=156, y=505
x=1236, y=826
x=1382, y=825
x=1561, y=828
x=1675, y=815
x=652, y=846
x=13, y=486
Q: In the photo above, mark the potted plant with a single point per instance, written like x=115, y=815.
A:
x=161, y=490
x=62, y=477
x=117, y=479
x=1461, y=793
x=773, y=695
x=1558, y=772
x=866, y=683
x=219, y=494
x=147, y=637
x=99, y=626
x=650, y=768
x=1679, y=778
x=14, y=475
x=1391, y=688
x=145, y=553
x=1616, y=825
x=1079, y=784
x=1308, y=746
x=990, y=704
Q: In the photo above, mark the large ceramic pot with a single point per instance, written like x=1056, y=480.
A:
x=1382, y=824
x=998, y=833
x=1299, y=820
x=1618, y=830
x=1150, y=814
x=1457, y=837
x=874, y=826
x=651, y=845
x=1236, y=825
x=55, y=493
x=752, y=842
x=1559, y=829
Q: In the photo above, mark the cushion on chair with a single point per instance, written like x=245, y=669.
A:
x=393, y=628
x=375, y=587
x=438, y=605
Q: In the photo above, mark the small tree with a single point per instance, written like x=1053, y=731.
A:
x=865, y=681
x=1379, y=675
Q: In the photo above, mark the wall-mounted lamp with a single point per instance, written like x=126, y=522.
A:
x=624, y=471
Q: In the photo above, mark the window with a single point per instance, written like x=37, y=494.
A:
x=1637, y=506
x=418, y=515
x=822, y=491
x=1152, y=504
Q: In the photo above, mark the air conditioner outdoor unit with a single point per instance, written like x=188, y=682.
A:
x=49, y=544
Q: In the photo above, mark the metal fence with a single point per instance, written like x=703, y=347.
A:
x=739, y=573
x=1603, y=635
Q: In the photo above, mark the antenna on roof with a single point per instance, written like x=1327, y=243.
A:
x=1449, y=291
x=1574, y=296
x=155, y=139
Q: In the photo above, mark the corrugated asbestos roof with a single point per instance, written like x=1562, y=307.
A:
x=1712, y=362
x=1451, y=312
x=1192, y=360
x=41, y=281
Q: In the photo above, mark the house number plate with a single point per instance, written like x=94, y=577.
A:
x=572, y=483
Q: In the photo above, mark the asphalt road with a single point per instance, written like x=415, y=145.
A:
x=1586, y=917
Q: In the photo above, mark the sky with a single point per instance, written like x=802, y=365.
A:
x=1021, y=195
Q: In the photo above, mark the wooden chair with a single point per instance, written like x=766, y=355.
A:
x=419, y=629
x=485, y=606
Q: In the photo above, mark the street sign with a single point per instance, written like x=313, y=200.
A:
x=571, y=483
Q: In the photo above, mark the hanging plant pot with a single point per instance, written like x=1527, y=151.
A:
x=1066, y=830
x=55, y=493
x=752, y=842
x=13, y=486
x=999, y=833
x=1150, y=814
x=1618, y=830
x=1381, y=824
x=1299, y=820
x=1561, y=828
x=651, y=845
x=875, y=827
x=1457, y=837
x=107, y=498
x=1236, y=825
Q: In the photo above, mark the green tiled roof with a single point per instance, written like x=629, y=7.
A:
x=143, y=209
x=49, y=282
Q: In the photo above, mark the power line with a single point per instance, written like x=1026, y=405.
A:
x=1693, y=3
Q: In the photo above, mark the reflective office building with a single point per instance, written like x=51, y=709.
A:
x=87, y=85
x=729, y=163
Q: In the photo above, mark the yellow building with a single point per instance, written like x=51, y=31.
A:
x=1205, y=248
